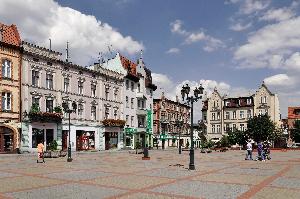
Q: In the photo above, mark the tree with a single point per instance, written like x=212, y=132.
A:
x=260, y=128
x=237, y=137
x=295, y=133
x=224, y=142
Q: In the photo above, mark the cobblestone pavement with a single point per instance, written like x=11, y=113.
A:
x=125, y=175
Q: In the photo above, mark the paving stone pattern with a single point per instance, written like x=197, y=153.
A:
x=125, y=175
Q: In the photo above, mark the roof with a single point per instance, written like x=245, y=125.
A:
x=10, y=34
x=128, y=65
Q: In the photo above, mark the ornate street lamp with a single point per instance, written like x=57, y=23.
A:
x=68, y=110
x=179, y=124
x=191, y=99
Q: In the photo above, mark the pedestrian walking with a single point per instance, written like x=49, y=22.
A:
x=260, y=152
x=249, y=151
x=40, y=148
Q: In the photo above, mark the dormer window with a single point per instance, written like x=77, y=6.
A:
x=249, y=101
x=263, y=99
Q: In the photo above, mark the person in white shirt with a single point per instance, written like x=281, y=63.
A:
x=249, y=151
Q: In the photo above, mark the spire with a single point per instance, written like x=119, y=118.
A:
x=67, y=52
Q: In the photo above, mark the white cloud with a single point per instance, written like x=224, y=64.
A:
x=279, y=80
x=279, y=40
x=173, y=51
x=210, y=43
x=41, y=20
x=252, y=6
x=280, y=14
x=240, y=27
x=293, y=62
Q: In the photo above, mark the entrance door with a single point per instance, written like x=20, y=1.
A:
x=49, y=137
x=143, y=140
x=6, y=140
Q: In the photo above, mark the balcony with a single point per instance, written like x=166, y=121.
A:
x=45, y=117
x=140, y=95
x=141, y=111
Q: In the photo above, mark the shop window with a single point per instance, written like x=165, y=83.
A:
x=37, y=136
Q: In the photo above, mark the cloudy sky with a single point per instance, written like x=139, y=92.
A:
x=233, y=45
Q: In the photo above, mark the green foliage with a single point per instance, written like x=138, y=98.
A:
x=260, y=128
x=138, y=145
x=34, y=108
x=224, y=142
x=237, y=137
x=53, y=145
x=295, y=133
x=57, y=109
x=207, y=144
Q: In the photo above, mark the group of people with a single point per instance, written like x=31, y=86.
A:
x=263, y=151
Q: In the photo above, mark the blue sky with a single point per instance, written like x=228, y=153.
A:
x=233, y=45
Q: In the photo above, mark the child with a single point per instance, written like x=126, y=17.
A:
x=40, y=148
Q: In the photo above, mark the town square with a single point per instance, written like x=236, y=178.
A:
x=149, y=99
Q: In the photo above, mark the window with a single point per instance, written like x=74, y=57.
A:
x=127, y=102
x=242, y=115
x=49, y=81
x=80, y=110
x=249, y=101
x=93, y=90
x=218, y=128
x=213, y=116
x=242, y=127
x=132, y=86
x=106, y=93
x=218, y=116
x=141, y=121
x=249, y=114
x=151, y=93
x=36, y=100
x=116, y=94
x=127, y=117
x=127, y=84
x=37, y=136
x=80, y=87
x=139, y=87
x=49, y=105
x=234, y=126
x=234, y=114
x=115, y=114
x=6, y=101
x=6, y=68
x=132, y=118
x=66, y=84
x=227, y=103
x=35, y=78
x=227, y=128
x=213, y=128
x=227, y=115
x=263, y=99
x=106, y=116
x=260, y=112
x=132, y=102
x=93, y=112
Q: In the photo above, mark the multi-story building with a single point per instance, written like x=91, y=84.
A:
x=293, y=115
x=222, y=114
x=165, y=116
x=137, y=99
x=10, y=84
x=48, y=81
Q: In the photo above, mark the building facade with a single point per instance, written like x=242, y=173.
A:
x=165, y=116
x=10, y=85
x=137, y=100
x=223, y=114
x=48, y=81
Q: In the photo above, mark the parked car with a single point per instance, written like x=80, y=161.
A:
x=294, y=145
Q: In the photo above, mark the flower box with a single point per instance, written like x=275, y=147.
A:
x=45, y=117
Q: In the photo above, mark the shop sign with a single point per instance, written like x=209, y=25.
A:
x=130, y=130
x=149, y=122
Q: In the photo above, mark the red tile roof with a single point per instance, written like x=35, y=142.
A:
x=128, y=65
x=10, y=34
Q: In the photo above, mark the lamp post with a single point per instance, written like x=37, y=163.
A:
x=163, y=126
x=179, y=123
x=68, y=110
x=191, y=99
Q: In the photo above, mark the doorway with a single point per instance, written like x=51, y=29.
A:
x=6, y=140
